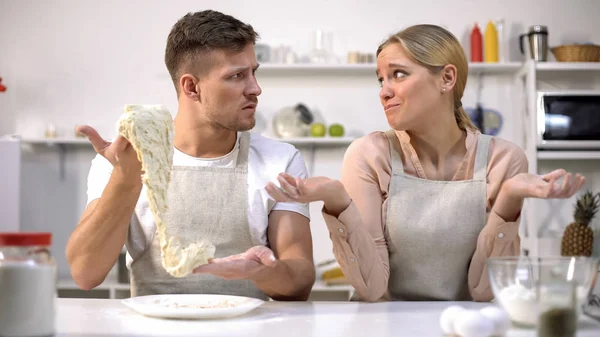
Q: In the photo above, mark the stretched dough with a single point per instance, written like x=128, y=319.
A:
x=149, y=129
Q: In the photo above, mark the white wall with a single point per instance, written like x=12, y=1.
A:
x=71, y=62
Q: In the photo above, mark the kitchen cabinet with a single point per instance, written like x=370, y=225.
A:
x=529, y=79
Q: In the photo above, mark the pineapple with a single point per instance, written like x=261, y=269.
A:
x=578, y=238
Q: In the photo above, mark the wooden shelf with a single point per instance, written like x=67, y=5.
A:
x=568, y=155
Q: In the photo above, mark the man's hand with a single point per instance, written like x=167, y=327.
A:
x=285, y=271
x=249, y=265
x=119, y=153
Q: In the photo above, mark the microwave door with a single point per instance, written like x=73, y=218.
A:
x=569, y=121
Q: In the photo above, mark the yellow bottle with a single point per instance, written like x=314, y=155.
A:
x=490, y=43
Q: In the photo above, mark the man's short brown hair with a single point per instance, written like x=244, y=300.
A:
x=197, y=34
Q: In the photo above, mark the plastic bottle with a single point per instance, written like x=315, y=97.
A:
x=476, y=45
x=502, y=46
x=491, y=43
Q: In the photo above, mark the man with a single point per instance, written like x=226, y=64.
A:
x=263, y=248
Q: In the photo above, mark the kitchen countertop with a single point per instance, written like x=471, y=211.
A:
x=104, y=317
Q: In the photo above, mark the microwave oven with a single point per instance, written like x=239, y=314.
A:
x=568, y=120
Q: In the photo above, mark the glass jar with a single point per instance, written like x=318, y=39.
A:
x=557, y=302
x=27, y=285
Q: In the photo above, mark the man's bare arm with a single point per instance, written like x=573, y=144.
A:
x=96, y=243
x=286, y=272
x=293, y=276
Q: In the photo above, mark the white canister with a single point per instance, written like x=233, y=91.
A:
x=27, y=285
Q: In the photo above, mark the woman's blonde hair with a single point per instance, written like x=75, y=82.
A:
x=434, y=47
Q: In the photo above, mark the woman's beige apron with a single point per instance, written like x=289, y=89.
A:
x=204, y=203
x=432, y=229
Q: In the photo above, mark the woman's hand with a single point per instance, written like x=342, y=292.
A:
x=527, y=185
x=294, y=189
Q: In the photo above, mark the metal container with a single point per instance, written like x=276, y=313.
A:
x=537, y=40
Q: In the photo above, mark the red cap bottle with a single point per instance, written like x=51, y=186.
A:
x=476, y=45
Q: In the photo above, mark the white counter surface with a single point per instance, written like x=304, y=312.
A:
x=95, y=317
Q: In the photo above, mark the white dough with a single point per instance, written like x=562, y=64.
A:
x=149, y=129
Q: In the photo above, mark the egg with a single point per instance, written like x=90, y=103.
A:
x=448, y=318
x=499, y=317
x=471, y=323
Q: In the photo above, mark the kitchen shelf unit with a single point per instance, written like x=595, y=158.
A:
x=56, y=141
x=62, y=144
x=565, y=66
x=313, y=143
x=296, y=141
x=527, y=77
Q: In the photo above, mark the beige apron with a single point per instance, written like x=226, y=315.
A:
x=204, y=203
x=432, y=229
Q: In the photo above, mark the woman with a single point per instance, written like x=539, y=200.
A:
x=421, y=207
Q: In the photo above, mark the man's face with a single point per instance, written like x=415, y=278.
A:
x=229, y=91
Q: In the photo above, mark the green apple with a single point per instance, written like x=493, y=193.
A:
x=336, y=130
x=318, y=130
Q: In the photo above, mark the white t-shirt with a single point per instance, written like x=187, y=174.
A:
x=266, y=159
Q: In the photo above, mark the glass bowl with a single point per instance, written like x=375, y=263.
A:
x=516, y=282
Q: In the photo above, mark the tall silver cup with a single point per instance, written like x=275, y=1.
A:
x=537, y=38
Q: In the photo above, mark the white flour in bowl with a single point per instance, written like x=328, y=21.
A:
x=521, y=303
x=27, y=299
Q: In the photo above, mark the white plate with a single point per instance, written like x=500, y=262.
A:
x=192, y=306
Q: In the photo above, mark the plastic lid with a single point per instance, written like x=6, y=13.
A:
x=25, y=239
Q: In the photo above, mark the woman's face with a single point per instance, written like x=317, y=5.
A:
x=410, y=95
